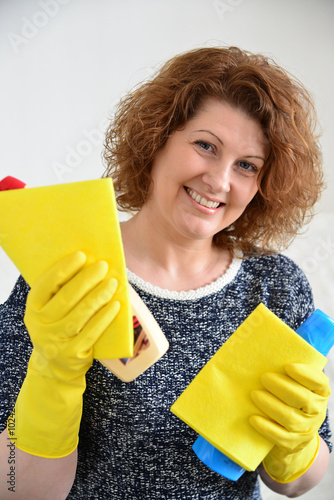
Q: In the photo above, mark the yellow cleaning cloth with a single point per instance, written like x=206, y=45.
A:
x=39, y=226
x=217, y=405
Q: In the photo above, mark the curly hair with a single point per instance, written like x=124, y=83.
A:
x=291, y=180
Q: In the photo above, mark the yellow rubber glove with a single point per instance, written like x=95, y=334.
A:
x=67, y=310
x=295, y=404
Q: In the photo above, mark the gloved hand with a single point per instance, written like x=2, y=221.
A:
x=67, y=310
x=295, y=407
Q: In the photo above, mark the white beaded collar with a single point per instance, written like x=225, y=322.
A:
x=203, y=291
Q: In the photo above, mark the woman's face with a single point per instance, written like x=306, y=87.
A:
x=206, y=174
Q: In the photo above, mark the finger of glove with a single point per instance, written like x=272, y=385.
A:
x=95, y=327
x=73, y=292
x=310, y=376
x=49, y=282
x=293, y=393
x=87, y=308
x=277, y=434
x=293, y=419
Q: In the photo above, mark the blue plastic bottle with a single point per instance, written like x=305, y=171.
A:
x=318, y=331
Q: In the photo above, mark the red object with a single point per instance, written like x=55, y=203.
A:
x=136, y=322
x=11, y=183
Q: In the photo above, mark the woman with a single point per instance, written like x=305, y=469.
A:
x=218, y=158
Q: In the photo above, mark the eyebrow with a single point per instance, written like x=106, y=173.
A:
x=221, y=142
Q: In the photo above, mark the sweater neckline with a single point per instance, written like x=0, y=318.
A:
x=198, y=293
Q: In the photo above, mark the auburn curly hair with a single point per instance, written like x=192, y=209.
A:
x=291, y=180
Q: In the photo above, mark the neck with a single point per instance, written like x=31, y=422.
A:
x=169, y=261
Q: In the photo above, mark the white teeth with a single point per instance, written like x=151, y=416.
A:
x=203, y=201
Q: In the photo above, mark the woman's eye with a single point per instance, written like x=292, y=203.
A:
x=204, y=145
x=248, y=167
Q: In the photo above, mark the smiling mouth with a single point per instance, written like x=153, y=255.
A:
x=201, y=200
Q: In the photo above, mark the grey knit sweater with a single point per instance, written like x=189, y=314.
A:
x=131, y=446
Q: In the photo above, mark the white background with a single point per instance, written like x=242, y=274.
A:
x=64, y=64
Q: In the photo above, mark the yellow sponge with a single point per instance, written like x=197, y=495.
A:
x=39, y=226
x=217, y=405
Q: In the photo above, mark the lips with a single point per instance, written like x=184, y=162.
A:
x=202, y=200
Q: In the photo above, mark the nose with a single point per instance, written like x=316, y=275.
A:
x=218, y=179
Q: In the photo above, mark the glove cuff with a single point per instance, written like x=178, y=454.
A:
x=285, y=466
x=46, y=418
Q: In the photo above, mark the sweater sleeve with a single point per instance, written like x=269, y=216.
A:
x=15, y=348
x=301, y=307
x=283, y=287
